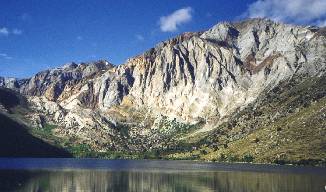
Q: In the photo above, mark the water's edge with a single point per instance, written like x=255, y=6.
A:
x=149, y=165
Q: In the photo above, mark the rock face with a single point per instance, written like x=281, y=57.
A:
x=57, y=84
x=11, y=83
x=225, y=68
x=195, y=77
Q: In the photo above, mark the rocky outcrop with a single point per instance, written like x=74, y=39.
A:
x=193, y=78
x=227, y=67
x=10, y=82
x=57, y=83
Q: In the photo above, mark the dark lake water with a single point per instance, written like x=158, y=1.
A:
x=147, y=175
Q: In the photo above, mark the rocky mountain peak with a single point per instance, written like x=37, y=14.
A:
x=8, y=82
x=179, y=39
x=195, y=77
x=52, y=82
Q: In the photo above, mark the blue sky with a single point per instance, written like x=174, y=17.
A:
x=41, y=34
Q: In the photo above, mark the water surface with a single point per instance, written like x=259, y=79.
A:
x=148, y=175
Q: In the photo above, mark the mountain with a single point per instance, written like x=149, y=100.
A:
x=15, y=139
x=252, y=90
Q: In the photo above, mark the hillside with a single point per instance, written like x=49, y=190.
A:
x=285, y=125
x=15, y=138
x=250, y=91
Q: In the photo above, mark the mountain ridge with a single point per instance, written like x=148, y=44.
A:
x=186, y=86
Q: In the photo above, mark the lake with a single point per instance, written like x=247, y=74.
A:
x=32, y=174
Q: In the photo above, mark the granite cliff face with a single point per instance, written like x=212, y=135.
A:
x=194, y=79
x=227, y=67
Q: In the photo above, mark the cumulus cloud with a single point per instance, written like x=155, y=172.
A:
x=294, y=11
x=171, y=22
x=4, y=31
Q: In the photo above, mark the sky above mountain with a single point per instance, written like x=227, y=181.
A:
x=39, y=34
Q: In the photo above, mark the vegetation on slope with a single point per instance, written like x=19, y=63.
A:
x=286, y=125
x=15, y=138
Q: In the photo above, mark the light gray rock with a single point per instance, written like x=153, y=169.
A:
x=9, y=82
x=195, y=76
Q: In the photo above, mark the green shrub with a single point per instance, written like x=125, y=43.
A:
x=222, y=157
x=233, y=158
x=248, y=158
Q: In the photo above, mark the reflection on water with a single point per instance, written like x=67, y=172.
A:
x=157, y=180
x=87, y=180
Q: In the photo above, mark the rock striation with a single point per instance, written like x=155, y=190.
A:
x=195, y=77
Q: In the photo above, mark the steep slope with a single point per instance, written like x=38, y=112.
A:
x=186, y=87
x=15, y=140
x=285, y=125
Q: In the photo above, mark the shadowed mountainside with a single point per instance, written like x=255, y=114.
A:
x=15, y=140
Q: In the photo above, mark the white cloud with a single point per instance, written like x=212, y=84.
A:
x=139, y=37
x=321, y=23
x=171, y=22
x=17, y=31
x=294, y=11
x=4, y=31
x=5, y=56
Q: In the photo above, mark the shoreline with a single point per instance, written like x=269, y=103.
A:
x=150, y=164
